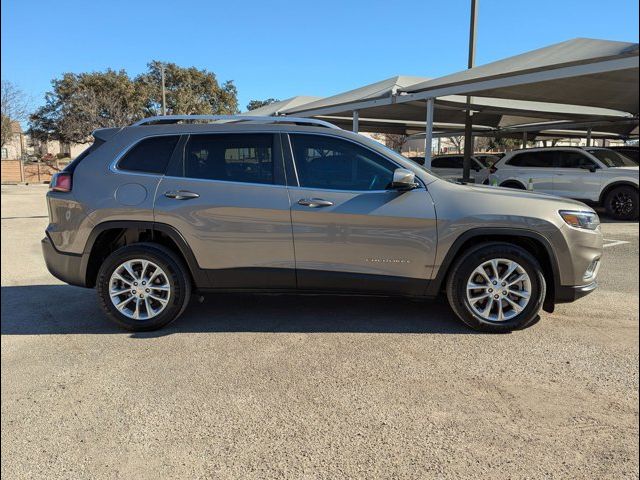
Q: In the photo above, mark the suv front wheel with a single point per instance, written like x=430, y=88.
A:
x=622, y=203
x=143, y=286
x=496, y=287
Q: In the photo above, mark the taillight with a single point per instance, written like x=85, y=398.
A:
x=61, y=182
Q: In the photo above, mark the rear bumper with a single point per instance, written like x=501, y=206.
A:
x=571, y=294
x=64, y=266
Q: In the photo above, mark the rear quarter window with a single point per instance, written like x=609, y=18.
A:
x=532, y=159
x=150, y=155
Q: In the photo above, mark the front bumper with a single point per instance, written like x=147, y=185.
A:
x=571, y=294
x=64, y=266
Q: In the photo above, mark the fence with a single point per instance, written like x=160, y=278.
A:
x=14, y=171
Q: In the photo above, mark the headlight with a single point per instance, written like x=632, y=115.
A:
x=579, y=219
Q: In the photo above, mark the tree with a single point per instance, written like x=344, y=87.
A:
x=189, y=91
x=254, y=104
x=505, y=144
x=457, y=142
x=13, y=109
x=80, y=103
x=392, y=140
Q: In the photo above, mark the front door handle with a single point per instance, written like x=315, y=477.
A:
x=314, y=202
x=181, y=195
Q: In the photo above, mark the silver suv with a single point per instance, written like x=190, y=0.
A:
x=592, y=174
x=155, y=211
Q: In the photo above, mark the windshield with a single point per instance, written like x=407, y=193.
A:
x=611, y=158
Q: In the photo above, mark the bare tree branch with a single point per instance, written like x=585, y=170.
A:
x=14, y=108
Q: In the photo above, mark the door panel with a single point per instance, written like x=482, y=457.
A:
x=236, y=231
x=351, y=232
x=542, y=178
x=384, y=234
x=577, y=183
x=572, y=181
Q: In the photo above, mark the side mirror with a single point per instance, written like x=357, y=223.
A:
x=403, y=179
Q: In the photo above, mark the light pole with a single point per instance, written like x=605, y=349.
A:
x=164, y=97
x=468, y=123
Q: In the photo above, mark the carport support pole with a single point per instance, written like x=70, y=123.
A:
x=468, y=123
x=356, y=121
x=524, y=139
x=588, y=137
x=428, y=133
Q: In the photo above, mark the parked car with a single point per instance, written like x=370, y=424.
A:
x=153, y=212
x=450, y=167
x=628, y=151
x=593, y=174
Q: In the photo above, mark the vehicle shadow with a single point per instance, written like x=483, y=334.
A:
x=63, y=309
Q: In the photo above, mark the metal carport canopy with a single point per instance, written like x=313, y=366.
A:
x=588, y=72
x=379, y=107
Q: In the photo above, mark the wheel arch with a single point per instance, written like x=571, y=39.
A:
x=615, y=184
x=513, y=181
x=107, y=235
x=531, y=241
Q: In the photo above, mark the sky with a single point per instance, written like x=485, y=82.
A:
x=284, y=48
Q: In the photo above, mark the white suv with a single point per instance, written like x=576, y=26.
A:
x=591, y=174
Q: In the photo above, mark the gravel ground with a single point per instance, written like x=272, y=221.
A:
x=311, y=387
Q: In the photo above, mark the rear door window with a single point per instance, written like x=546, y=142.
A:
x=574, y=160
x=150, y=155
x=533, y=160
x=447, y=162
x=238, y=157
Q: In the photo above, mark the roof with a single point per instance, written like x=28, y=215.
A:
x=383, y=109
x=383, y=89
x=582, y=71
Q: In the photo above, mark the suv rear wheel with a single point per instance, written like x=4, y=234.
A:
x=496, y=288
x=622, y=203
x=143, y=286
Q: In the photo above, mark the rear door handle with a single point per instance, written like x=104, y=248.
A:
x=314, y=202
x=181, y=195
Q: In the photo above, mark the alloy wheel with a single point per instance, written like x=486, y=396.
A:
x=622, y=204
x=139, y=289
x=498, y=290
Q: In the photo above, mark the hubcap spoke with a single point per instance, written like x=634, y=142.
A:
x=164, y=288
x=163, y=301
x=520, y=293
x=514, y=305
x=127, y=267
x=512, y=268
x=519, y=278
x=480, y=271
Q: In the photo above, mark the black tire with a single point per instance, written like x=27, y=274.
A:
x=513, y=184
x=177, y=276
x=621, y=203
x=462, y=269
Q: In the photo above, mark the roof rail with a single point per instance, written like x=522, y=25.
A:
x=168, y=119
